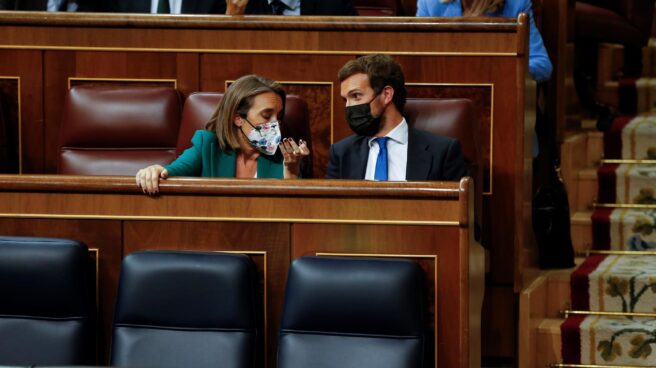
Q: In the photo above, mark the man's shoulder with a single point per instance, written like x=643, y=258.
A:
x=431, y=138
x=348, y=142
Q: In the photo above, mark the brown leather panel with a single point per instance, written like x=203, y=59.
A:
x=198, y=108
x=104, y=116
x=455, y=118
x=449, y=117
x=376, y=7
x=111, y=162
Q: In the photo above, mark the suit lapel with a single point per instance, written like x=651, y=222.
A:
x=189, y=7
x=41, y=5
x=226, y=165
x=358, y=159
x=419, y=157
x=306, y=7
x=139, y=6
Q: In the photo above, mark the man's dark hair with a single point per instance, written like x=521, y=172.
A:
x=382, y=71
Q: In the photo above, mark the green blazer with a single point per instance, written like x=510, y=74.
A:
x=205, y=158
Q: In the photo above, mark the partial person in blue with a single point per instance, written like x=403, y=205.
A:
x=539, y=64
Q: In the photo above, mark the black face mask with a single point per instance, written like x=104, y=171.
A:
x=360, y=119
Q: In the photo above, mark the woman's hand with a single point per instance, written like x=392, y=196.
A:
x=148, y=178
x=293, y=155
x=236, y=7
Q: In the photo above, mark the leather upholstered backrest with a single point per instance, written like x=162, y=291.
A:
x=46, y=302
x=377, y=8
x=455, y=118
x=109, y=130
x=200, y=106
x=345, y=312
x=186, y=309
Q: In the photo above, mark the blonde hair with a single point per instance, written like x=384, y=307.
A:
x=481, y=7
x=237, y=100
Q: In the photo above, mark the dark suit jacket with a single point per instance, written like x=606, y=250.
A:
x=188, y=6
x=42, y=5
x=430, y=157
x=308, y=7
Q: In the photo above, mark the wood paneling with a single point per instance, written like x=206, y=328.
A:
x=310, y=239
x=28, y=66
x=271, y=239
x=203, y=52
x=267, y=219
x=9, y=124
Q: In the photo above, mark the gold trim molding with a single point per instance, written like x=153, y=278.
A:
x=228, y=219
x=626, y=161
x=562, y=365
x=20, y=120
x=491, y=86
x=243, y=51
x=568, y=313
x=622, y=252
x=416, y=256
x=623, y=205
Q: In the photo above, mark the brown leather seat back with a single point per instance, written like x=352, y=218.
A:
x=453, y=118
x=377, y=8
x=200, y=106
x=108, y=130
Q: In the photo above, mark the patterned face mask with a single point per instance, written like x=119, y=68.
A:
x=265, y=137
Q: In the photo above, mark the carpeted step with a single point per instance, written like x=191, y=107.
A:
x=615, y=283
x=627, y=183
x=624, y=229
x=609, y=340
x=631, y=138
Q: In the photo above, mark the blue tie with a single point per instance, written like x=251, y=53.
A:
x=381, y=161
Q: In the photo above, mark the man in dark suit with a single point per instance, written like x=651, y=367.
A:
x=385, y=147
x=289, y=7
x=282, y=7
x=151, y=6
x=58, y=5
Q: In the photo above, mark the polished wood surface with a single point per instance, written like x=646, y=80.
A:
x=479, y=58
x=272, y=221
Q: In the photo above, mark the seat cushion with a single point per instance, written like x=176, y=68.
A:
x=46, y=312
x=191, y=309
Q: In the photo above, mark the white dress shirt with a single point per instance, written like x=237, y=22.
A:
x=53, y=5
x=397, y=154
x=174, y=5
x=293, y=7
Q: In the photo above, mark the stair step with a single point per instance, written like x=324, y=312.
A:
x=614, y=283
x=548, y=341
x=586, y=188
x=608, y=340
x=581, y=227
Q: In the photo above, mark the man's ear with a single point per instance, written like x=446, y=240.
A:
x=388, y=94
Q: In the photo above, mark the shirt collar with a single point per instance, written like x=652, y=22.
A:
x=399, y=134
x=291, y=4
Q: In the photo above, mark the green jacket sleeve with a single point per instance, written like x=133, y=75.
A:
x=190, y=162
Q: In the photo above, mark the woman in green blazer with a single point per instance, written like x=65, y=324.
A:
x=240, y=140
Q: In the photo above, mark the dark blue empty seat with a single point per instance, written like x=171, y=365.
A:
x=359, y=313
x=46, y=302
x=186, y=309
